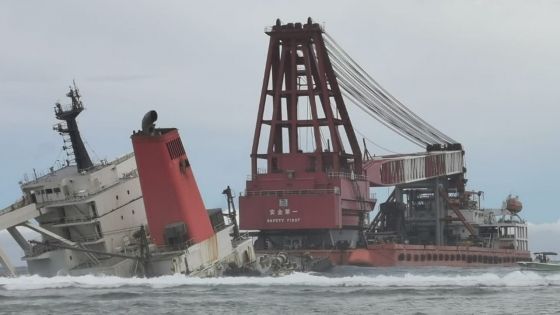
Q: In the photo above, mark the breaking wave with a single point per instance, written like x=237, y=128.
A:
x=407, y=280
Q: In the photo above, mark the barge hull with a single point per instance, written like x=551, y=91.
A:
x=400, y=255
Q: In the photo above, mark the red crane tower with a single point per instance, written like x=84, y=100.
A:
x=307, y=174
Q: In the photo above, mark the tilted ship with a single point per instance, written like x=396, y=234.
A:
x=114, y=219
x=309, y=192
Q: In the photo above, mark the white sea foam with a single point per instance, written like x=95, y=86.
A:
x=512, y=279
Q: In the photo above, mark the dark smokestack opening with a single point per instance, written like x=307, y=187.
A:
x=148, y=122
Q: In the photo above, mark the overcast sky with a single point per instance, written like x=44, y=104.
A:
x=484, y=72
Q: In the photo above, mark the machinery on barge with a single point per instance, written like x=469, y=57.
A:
x=312, y=197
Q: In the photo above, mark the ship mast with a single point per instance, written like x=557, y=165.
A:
x=69, y=127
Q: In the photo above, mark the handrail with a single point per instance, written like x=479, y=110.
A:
x=292, y=192
x=346, y=175
x=86, y=195
x=64, y=220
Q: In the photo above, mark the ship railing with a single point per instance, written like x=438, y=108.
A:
x=83, y=195
x=87, y=239
x=350, y=176
x=250, y=193
x=122, y=158
x=260, y=171
x=346, y=175
x=72, y=198
x=42, y=175
x=63, y=220
x=268, y=29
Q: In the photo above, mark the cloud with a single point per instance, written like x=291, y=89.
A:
x=544, y=236
x=483, y=72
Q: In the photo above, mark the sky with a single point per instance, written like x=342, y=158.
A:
x=483, y=72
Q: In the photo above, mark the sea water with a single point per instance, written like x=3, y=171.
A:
x=344, y=290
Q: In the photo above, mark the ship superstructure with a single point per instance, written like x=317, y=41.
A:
x=77, y=205
x=309, y=189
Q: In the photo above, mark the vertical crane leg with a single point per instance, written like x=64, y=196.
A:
x=439, y=216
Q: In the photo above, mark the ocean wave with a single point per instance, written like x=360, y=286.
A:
x=511, y=279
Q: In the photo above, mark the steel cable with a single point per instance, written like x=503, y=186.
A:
x=368, y=95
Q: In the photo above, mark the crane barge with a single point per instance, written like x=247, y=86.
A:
x=313, y=198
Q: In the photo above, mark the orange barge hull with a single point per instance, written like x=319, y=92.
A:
x=391, y=255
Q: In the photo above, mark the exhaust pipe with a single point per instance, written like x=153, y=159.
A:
x=148, y=122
